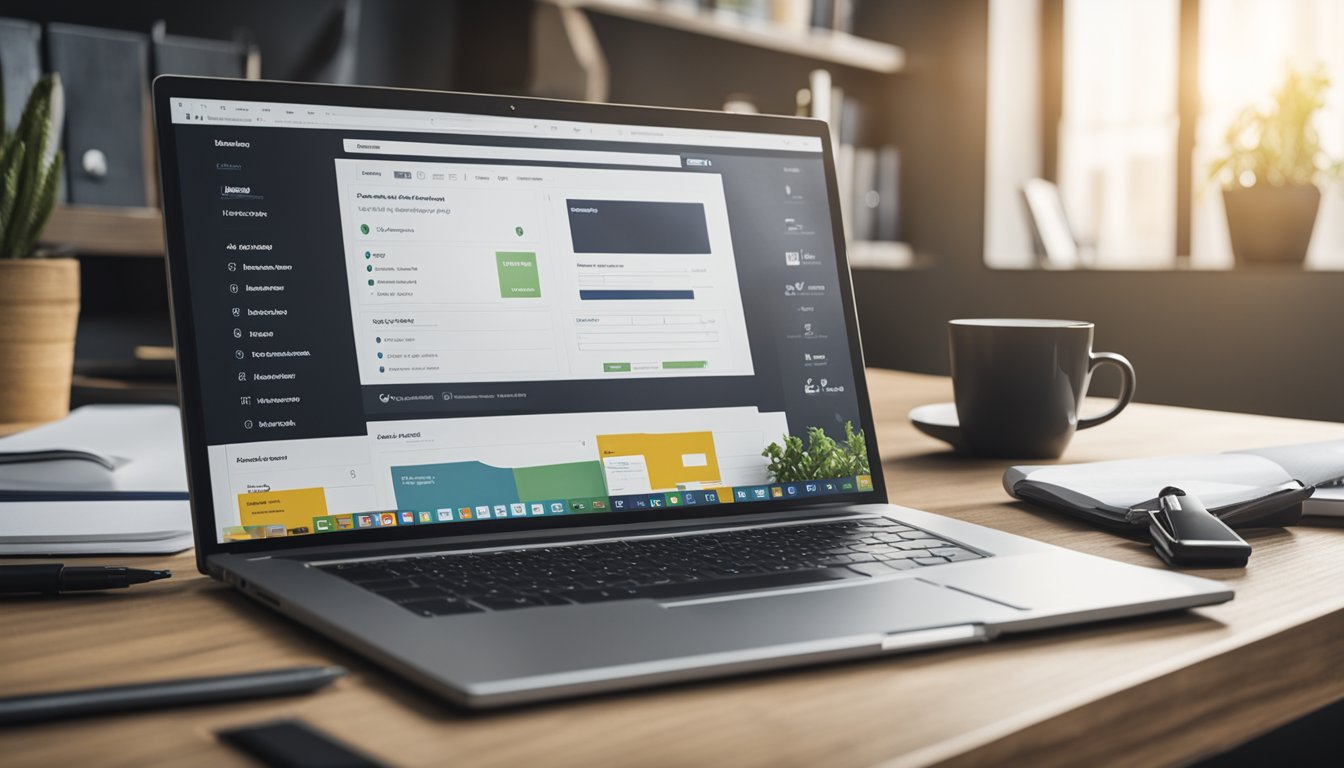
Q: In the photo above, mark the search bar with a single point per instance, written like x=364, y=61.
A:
x=533, y=154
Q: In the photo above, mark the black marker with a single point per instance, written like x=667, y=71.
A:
x=52, y=578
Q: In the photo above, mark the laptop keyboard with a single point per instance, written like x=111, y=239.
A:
x=666, y=567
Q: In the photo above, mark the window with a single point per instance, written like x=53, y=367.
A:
x=1117, y=134
x=1105, y=91
x=1245, y=48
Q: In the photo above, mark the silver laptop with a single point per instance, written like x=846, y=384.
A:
x=526, y=399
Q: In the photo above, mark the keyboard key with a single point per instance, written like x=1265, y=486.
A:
x=921, y=544
x=875, y=568
x=387, y=584
x=955, y=554
x=359, y=572
x=930, y=560
x=441, y=607
x=601, y=595
x=902, y=554
x=411, y=594
x=508, y=602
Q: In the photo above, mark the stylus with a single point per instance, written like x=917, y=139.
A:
x=169, y=693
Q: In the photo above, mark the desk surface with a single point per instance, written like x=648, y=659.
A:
x=1146, y=691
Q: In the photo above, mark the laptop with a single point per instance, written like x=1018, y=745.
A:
x=527, y=399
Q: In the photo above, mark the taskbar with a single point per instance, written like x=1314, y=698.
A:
x=460, y=513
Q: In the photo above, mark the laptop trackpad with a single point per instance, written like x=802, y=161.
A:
x=880, y=606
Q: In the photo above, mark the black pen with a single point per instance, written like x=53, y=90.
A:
x=51, y=578
x=168, y=693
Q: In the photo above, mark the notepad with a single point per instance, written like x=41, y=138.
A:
x=1240, y=487
x=98, y=451
x=107, y=479
x=1328, y=501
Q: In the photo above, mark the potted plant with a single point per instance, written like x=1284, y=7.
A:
x=1271, y=173
x=39, y=296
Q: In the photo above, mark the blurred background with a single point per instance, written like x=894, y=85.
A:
x=1082, y=159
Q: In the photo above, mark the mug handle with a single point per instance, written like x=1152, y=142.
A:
x=1126, y=385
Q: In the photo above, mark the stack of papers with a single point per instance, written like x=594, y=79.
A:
x=107, y=479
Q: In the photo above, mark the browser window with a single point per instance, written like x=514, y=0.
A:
x=409, y=318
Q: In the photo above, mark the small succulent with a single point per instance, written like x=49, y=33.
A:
x=29, y=174
x=823, y=457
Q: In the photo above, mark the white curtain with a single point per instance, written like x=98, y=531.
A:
x=1117, y=139
x=1245, y=49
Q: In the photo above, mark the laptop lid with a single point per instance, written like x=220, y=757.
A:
x=405, y=314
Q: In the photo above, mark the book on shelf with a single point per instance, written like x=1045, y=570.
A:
x=888, y=193
x=792, y=15
x=867, y=178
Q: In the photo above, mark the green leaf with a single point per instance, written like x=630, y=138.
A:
x=32, y=126
x=44, y=202
x=1278, y=144
x=9, y=192
x=28, y=180
x=823, y=458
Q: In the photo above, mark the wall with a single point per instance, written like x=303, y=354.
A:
x=1254, y=341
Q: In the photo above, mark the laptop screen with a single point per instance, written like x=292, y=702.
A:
x=407, y=318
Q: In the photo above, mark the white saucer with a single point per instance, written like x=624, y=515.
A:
x=939, y=420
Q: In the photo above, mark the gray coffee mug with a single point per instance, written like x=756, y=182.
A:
x=1020, y=383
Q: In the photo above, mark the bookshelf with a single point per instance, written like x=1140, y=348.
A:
x=882, y=254
x=821, y=45
x=105, y=230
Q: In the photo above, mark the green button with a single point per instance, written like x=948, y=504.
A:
x=684, y=364
x=518, y=277
x=615, y=367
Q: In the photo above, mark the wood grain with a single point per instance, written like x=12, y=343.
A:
x=1152, y=691
x=39, y=311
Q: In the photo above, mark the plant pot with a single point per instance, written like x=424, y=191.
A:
x=39, y=307
x=1271, y=225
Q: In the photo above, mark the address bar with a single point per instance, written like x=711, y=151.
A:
x=534, y=154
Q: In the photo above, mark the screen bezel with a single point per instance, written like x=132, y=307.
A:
x=166, y=88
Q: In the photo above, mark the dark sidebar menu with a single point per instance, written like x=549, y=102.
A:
x=265, y=264
x=791, y=288
x=814, y=344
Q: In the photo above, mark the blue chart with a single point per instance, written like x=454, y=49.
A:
x=472, y=483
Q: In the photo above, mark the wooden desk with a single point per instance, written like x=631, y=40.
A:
x=1148, y=692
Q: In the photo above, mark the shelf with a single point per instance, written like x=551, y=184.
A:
x=876, y=254
x=105, y=230
x=819, y=44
